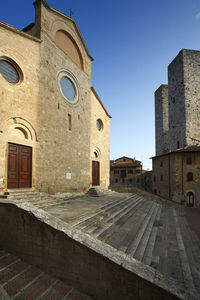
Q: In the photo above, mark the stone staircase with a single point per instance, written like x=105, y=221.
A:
x=149, y=231
x=97, y=191
x=152, y=231
x=39, y=199
x=23, y=281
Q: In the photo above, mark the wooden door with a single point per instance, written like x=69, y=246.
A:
x=19, y=166
x=95, y=173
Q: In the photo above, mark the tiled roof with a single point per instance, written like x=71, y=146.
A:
x=191, y=148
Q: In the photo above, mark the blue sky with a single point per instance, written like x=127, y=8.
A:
x=132, y=43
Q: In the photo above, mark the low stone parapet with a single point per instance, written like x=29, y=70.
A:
x=86, y=263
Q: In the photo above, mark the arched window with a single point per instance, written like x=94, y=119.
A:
x=67, y=44
x=189, y=176
x=10, y=70
x=190, y=199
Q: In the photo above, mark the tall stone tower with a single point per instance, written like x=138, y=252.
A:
x=177, y=106
x=161, y=119
x=184, y=99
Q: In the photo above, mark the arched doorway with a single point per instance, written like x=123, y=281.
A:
x=190, y=199
x=19, y=166
x=20, y=140
x=96, y=167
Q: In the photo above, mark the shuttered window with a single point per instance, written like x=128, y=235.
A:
x=9, y=72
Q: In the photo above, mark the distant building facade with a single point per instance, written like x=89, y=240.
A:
x=176, y=166
x=125, y=171
x=177, y=175
x=147, y=180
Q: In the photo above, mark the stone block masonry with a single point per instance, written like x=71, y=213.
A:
x=161, y=119
x=79, y=259
x=36, y=112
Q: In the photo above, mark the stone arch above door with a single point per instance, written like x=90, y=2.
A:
x=96, y=153
x=18, y=127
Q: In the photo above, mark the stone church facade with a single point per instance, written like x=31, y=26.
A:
x=176, y=166
x=54, y=129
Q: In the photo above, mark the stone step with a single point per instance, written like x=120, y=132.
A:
x=114, y=218
x=134, y=221
x=104, y=213
x=139, y=253
x=148, y=254
x=99, y=191
x=24, y=190
x=85, y=217
x=60, y=203
x=24, y=196
x=33, y=201
x=109, y=221
x=188, y=280
x=23, y=281
x=166, y=256
x=27, y=194
x=116, y=228
x=191, y=243
x=135, y=243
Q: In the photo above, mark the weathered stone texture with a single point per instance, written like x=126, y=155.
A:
x=61, y=152
x=18, y=100
x=99, y=139
x=191, y=60
x=81, y=260
x=161, y=119
x=160, y=179
x=184, y=104
x=177, y=117
x=174, y=170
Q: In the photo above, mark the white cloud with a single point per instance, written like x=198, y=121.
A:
x=198, y=16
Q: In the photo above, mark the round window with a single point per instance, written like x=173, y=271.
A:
x=99, y=124
x=9, y=72
x=67, y=88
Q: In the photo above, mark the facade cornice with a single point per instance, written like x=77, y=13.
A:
x=22, y=33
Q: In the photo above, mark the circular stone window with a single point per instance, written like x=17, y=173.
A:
x=68, y=87
x=99, y=124
x=9, y=71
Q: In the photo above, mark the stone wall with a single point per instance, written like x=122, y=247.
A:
x=177, y=109
x=161, y=119
x=79, y=259
x=173, y=169
x=160, y=178
x=19, y=101
x=100, y=148
x=183, y=104
x=191, y=60
x=58, y=130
